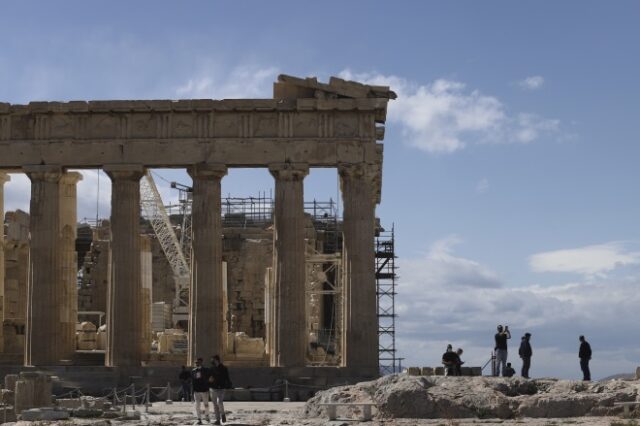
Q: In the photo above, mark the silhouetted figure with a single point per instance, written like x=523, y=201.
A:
x=509, y=371
x=218, y=382
x=185, y=383
x=459, y=362
x=585, y=356
x=501, y=348
x=449, y=360
x=525, y=353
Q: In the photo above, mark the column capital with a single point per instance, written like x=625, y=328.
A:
x=207, y=171
x=356, y=170
x=47, y=173
x=4, y=178
x=289, y=171
x=71, y=178
x=124, y=171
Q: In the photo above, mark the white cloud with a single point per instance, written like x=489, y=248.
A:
x=533, y=82
x=433, y=312
x=590, y=260
x=439, y=267
x=210, y=82
x=445, y=116
x=482, y=186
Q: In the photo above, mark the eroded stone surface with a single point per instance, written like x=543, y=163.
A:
x=403, y=396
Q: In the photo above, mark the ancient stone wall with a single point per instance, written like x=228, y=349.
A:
x=16, y=258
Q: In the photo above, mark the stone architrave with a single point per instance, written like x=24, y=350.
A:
x=43, y=335
x=206, y=293
x=68, y=229
x=290, y=344
x=124, y=300
x=3, y=179
x=361, y=322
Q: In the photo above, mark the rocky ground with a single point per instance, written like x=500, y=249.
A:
x=415, y=400
x=437, y=397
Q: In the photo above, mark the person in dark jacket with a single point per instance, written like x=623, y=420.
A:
x=501, y=338
x=185, y=383
x=525, y=353
x=509, y=371
x=585, y=356
x=449, y=361
x=218, y=382
x=200, y=380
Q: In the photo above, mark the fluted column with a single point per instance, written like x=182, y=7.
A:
x=69, y=232
x=361, y=321
x=205, y=293
x=290, y=344
x=45, y=287
x=124, y=298
x=3, y=179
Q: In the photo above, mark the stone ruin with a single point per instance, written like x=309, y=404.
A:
x=248, y=296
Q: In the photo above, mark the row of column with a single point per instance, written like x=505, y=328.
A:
x=51, y=314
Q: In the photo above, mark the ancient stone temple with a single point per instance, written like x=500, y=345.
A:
x=306, y=125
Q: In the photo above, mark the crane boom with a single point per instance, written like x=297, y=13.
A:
x=153, y=210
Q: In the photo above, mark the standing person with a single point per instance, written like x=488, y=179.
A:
x=218, y=382
x=200, y=380
x=459, y=362
x=185, y=382
x=449, y=361
x=501, y=348
x=585, y=355
x=525, y=353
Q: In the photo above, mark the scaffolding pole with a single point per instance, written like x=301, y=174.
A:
x=386, y=282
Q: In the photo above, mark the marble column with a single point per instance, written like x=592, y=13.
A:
x=124, y=295
x=45, y=287
x=68, y=229
x=290, y=343
x=146, y=274
x=206, y=333
x=3, y=179
x=361, y=321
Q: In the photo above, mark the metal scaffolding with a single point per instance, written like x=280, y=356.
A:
x=386, y=282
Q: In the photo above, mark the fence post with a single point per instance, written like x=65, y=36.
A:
x=169, y=401
x=148, y=402
x=286, y=391
x=115, y=396
x=493, y=363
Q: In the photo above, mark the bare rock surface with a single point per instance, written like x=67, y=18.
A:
x=432, y=397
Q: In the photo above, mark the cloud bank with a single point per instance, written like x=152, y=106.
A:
x=445, y=116
x=446, y=298
x=590, y=260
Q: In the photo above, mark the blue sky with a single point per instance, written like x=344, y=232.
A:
x=510, y=156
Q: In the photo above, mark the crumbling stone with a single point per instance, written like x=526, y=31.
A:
x=10, y=382
x=405, y=396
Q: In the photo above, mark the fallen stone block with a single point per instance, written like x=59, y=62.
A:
x=87, y=413
x=131, y=415
x=413, y=371
x=426, y=371
x=70, y=403
x=10, y=382
x=7, y=414
x=8, y=397
x=34, y=414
